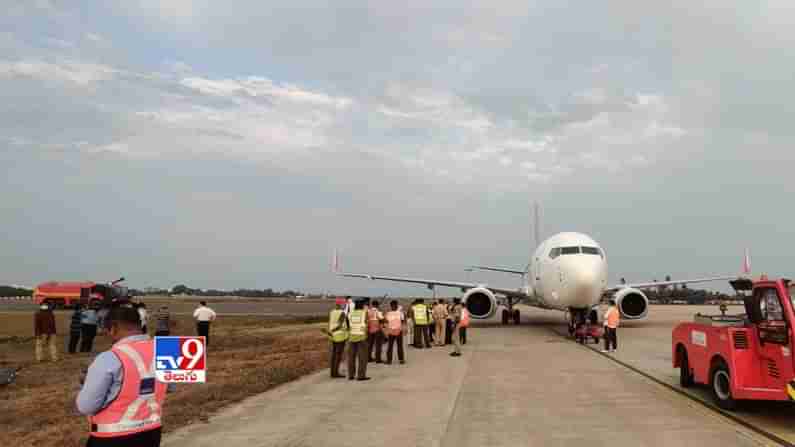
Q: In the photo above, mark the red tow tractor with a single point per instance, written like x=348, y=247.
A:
x=742, y=357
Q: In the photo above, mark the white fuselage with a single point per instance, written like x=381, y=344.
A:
x=568, y=271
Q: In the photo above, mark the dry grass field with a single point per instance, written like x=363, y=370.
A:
x=247, y=355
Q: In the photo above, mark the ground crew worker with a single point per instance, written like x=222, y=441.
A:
x=204, y=316
x=75, y=328
x=88, y=328
x=357, y=352
x=338, y=335
x=456, y=322
x=408, y=328
x=612, y=317
x=431, y=327
x=394, y=326
x=462, y=328
x=45, y=332
x=419, y=313
x=375, y=334
x=439, y=316
x=121, y=396
x=448, y=321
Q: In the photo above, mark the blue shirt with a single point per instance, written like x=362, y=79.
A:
x=103, y=380
x=89, y=317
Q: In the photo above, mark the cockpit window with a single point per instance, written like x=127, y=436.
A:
x=591, y=251
x=554, y=253
x=570, y=250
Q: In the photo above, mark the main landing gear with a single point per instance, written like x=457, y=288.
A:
x=510, y=314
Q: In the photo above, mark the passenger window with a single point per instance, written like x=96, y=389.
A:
x=554, y=253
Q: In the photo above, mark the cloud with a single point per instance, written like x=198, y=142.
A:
x=81, y=73
x=255, y=86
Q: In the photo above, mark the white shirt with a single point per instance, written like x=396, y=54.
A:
x=142, y=315
x=204, y=313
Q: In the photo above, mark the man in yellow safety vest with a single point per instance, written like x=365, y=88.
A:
x=357, y=352
x=419, y=313
x=338, y=335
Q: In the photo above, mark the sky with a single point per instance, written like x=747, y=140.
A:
x=238, y=145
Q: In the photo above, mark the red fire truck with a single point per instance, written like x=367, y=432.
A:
x=742, y=357
x=65, y=294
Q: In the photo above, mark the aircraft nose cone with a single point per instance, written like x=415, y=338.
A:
x=585, y=285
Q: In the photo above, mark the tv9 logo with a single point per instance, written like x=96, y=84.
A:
x=181, y=359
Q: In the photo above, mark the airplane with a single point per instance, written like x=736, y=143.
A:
x=567, y=272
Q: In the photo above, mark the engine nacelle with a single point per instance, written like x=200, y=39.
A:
x=480, y=302
x=632, y=303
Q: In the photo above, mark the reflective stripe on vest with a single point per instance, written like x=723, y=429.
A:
x=393, y=322
x=358, y=325
x=341, y=334
x=464, y=318
x=612, y=318
x=138, y=406
x=420, y=315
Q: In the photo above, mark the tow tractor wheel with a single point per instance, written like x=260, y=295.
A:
x=505, y=316
x=516, y=316
x=685, y=376
x=721, y=387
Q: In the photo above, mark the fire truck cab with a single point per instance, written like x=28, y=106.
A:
x=742, y=357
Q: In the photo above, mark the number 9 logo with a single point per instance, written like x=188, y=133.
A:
x=193, y=357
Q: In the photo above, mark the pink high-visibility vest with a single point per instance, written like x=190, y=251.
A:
x=464, y=318
x=139, y=405
x=393, y=322
x=373, y=323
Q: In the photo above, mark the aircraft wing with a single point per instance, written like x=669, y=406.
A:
x=432, y=283
x=649, y=285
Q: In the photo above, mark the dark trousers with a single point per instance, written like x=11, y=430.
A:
x=337, y=348
x=611, y=338
x=463, y=335
x=391, y=343
x=203, y=330
x=88, y=332
x=375, y=342
x=74, y=337
x=448, y=333
x=162, y=333
x=149, y=438
x=357, y=356
x=421, y=339
x=430, y=329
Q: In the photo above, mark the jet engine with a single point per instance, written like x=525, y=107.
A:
x=632, y=303
x=480, y=302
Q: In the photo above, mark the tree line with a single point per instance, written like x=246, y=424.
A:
x=14, y=291
x=182, y=289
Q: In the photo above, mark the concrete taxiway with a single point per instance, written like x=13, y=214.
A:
x=514, y=385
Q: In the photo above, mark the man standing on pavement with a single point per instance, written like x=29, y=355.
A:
x=204, y=316
x=357, y=353
x=144, y=318
x=394, y=326
x=338, y=335
x=375, y=333
x=121, y=396
x=419, y=313
x=45, y=332
x=456, y=322
x=74, y=329
x=88, y=323
x=612, y=317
